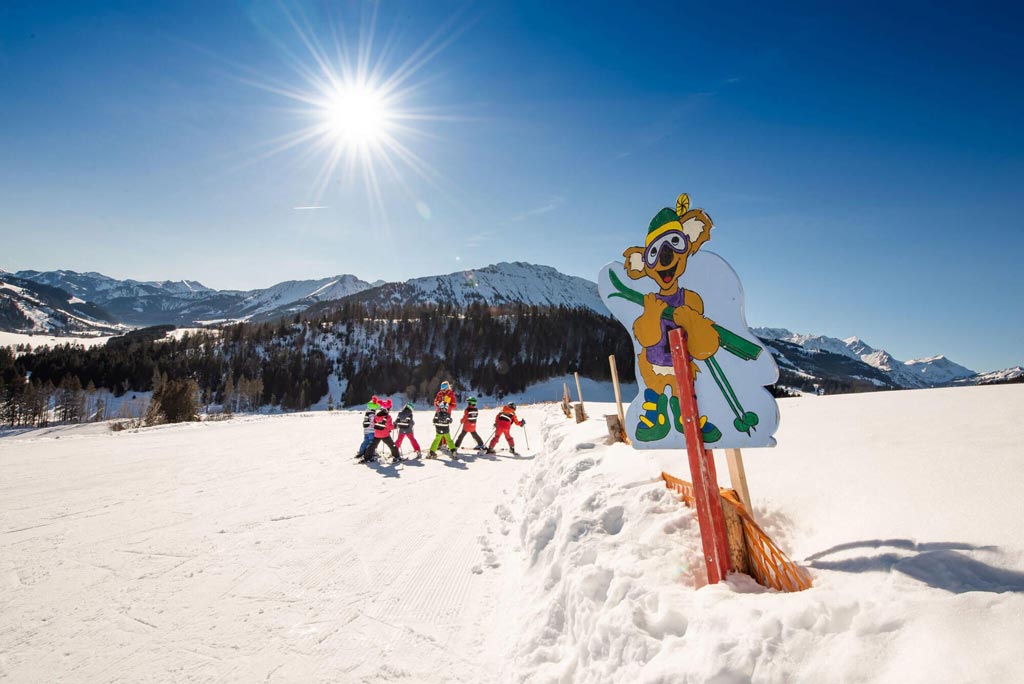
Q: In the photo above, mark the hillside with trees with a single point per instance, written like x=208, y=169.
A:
x=288, y=363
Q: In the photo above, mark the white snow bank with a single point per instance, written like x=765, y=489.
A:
x=902, y=504
x=13, y=339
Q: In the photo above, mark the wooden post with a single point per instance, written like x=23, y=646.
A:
x=615, y=431
x=710, y=518
x=737, y=543
x=566, y=402
x=618, y=398
x=581, y=415
x=738, y=477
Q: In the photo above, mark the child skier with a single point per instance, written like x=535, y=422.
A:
x=442, y=425
x=503, y=426
x=382, y=427
x=404, y=423
x=468, y=422
x=371, y=410
x=446, y=397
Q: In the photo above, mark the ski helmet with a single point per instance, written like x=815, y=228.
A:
x=511, y=405
x=385, y=404
x=471, y=400
x=408, y=407
x=372, y=406
x=445, y=385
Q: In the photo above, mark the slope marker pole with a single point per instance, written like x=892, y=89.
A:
x=618, y=399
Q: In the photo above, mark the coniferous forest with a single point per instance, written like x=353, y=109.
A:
x=287, y=363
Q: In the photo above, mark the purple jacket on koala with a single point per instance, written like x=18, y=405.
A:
x=660, y=354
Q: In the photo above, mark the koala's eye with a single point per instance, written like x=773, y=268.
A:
x=675, y=241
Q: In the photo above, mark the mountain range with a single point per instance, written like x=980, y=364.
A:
x=31, y=306
x=68, y=302
x=808, y=362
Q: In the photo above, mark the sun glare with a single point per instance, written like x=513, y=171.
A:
x=357, y=106
x=357, y=115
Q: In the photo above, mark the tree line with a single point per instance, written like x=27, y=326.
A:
x=288, y=363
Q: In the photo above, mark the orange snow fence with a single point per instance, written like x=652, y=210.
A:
x=753, y=551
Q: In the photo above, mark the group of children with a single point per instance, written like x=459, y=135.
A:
x=378, y=426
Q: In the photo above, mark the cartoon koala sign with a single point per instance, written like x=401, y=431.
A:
x=677, y=284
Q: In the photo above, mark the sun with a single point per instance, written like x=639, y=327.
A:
x=358, y=116
x=358, y=108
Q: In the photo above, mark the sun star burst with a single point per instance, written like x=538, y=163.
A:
x=358, y=107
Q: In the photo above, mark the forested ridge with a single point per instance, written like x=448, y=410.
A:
x=287, y=363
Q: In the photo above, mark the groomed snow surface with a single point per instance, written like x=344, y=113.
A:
x=255, y=550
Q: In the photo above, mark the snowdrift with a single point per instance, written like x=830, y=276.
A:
x=903, y=506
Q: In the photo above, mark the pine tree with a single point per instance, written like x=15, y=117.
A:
x=227, y=396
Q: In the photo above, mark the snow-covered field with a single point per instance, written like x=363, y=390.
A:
x=13, y=339
x=256, y=550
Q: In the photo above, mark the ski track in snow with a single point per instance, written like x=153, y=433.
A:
x=248, y=550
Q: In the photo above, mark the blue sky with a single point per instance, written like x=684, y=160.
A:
x=863, y=164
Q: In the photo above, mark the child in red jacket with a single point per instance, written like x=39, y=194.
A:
x=503, y=427
x=469, y=417
x=446, y=397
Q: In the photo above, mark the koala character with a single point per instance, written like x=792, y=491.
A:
x=672, y=237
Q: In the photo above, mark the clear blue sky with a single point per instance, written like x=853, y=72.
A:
x=863, y=163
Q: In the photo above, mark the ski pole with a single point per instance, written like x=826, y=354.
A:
x=526, y=435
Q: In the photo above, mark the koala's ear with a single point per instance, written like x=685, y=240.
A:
x=634, y=262
x=697, y=228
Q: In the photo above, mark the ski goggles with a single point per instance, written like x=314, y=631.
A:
x=675, y=240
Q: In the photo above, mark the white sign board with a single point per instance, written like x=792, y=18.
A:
x=668, y=281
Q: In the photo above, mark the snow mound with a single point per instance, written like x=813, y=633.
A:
x=614, y=588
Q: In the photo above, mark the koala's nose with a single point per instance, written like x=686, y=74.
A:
x=665, y=256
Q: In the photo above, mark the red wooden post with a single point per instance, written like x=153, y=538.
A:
x=702, y=466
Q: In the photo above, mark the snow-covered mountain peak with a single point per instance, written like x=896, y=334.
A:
x=296, y=295
x=939, y=370
x=495, y=284
x=182, y=286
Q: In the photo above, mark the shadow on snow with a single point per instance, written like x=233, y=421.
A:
x=938, y=564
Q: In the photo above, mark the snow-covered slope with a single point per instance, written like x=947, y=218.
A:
x=930, y=372
x=904, y=590
x=495, y=285
x=995, y=377
x=938, y=370
x=294, y=296
x=28, y=307
x=255, y=550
